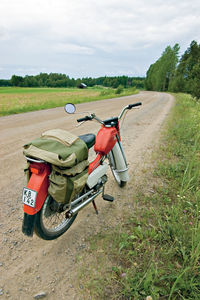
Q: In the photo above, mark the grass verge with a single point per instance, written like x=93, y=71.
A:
x=19, y=100
x=155, y=252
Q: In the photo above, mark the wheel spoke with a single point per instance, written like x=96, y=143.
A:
x=54, y=221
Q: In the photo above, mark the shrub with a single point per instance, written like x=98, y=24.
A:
x=119, y=89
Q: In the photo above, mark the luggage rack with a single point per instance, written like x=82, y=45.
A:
x=40, y=161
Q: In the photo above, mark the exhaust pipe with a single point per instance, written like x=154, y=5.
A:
x=75, y=210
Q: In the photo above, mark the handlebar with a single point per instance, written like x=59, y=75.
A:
x=86, y=118
x=130, y=106
x=93, y=116
x=134, y=105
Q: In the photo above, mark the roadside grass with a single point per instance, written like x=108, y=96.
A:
x=18, y=100
x=155, y=250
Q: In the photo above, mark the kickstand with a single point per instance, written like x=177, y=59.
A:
x=95, y=207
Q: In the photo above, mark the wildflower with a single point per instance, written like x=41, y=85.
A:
x=149, y=298
x=191, y=223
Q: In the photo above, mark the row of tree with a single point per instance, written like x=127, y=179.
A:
x=169, y=73
x=62, y=80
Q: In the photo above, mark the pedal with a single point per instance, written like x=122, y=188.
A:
x=108, y=198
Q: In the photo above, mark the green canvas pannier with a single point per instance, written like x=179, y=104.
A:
x=63, y=188
x=58, y=147
x=68, y=156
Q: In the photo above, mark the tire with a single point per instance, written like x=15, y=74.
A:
x=49, y=225
x=113, y=166
x=117, y=179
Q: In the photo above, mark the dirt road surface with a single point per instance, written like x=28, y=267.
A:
x=29, y=266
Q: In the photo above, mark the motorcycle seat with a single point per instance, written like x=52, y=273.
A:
x=89, y=139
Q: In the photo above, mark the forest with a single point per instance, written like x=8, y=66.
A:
x=169, y=73
x=62, y=80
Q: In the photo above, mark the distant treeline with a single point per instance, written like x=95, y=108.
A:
x=169, y=73
x=62, y=80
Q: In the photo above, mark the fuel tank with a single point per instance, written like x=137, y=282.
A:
x=105, y=140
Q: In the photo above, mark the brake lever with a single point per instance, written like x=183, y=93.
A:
x=79, y=124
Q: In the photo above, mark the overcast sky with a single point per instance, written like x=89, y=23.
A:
x=92, y=38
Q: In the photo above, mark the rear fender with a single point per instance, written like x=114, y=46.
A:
x=28, y=224
x=39, y=182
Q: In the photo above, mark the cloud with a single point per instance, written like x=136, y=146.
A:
x=50, y=33
x=72, y=48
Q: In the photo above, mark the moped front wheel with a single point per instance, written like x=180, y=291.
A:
x=120, y=182
x=118, y=165
x=50, y=224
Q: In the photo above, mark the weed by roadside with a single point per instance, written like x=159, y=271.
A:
x=155, y=253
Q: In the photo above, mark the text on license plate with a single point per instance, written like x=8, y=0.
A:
x=29, y=197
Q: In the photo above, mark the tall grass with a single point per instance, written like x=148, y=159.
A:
x=155, y=252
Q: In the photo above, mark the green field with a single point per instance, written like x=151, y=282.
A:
x=14, y=100
x=26, y=90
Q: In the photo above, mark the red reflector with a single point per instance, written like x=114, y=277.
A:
x=36, y=168
x=35, y=171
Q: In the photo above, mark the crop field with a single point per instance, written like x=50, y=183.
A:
x=18, y=100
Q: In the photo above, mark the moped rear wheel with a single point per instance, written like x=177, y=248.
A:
x=49, y=224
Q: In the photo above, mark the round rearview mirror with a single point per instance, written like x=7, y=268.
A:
x=70, y=108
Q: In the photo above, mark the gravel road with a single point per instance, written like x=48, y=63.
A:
x=30, y=266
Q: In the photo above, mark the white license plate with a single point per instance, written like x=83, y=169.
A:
x=29, y=197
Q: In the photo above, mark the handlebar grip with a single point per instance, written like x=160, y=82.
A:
x=86, y=118
x=134, y=105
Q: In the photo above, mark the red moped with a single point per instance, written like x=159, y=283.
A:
x=51, y=221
